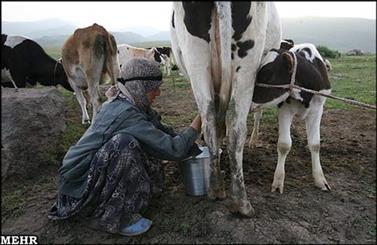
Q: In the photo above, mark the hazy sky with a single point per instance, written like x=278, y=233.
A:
x=120, y=15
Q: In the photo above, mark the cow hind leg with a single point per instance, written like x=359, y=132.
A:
x=254, y=138
x=313, y=122
x=285, y=117
x=202, y=87
x=82, y=102
x=236, y=119
x=93, y=91
x=216, y=186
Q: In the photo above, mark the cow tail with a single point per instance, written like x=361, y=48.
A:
x=111, y=51
x=225, y=32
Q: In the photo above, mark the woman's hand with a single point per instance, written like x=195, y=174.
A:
x=197, y=123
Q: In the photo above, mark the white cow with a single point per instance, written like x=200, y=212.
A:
x=218, y=46
x=127, y=52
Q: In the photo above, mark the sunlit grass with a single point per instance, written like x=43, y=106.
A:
x=353, y=77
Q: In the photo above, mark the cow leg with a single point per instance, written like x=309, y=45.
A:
x=236, y=119
x=216, y=188
x=202, y=85
x=81, y=99
x=78, y=92
x=14, y=83
x=285, y=117
x=313, y=123
x=94, y=96
x=253, y=142
x=168, y=66
x=17, y=78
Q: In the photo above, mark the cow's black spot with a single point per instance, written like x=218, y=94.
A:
x=233, y=47
x=240, y=18
x=198, y=18
x=164, y=50
x=244, y=47
x=232, y=56
x=308, y=51
x=238, y=68
x=3, y=38
x=157, y=57
x=172, y=20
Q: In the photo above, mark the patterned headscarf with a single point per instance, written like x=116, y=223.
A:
x=138, y=77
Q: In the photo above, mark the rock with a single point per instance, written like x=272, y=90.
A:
x=32, y=127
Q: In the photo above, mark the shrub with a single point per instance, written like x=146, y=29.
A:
x=328, y=53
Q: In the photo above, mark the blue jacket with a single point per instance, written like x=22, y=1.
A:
x=121, y=116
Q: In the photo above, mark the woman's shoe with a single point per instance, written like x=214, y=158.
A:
x=141, y=226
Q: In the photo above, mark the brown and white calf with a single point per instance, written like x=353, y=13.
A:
x=88, y=55
x=309, y=72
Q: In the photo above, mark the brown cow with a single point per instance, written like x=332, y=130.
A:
x=88, y=56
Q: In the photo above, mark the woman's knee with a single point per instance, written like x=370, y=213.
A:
x=126, y=141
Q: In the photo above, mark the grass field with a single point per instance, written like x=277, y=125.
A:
x=352, y=77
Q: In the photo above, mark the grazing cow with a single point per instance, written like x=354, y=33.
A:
x=218, y=47
x=90, y=54
x=303, y=66
x=24, y=62
x=127, y=52
x=167, y=59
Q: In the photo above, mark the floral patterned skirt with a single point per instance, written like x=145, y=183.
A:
x=122, y=179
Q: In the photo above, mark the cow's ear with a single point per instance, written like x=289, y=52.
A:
x=288, y=61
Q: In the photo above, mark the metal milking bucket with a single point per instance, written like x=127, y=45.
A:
x=195, y=171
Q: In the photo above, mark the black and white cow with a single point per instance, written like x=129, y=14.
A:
x=164, y=54
x=218, y=47
x=23, y=61
x=305, y=66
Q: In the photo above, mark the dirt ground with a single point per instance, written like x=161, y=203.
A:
x=302, y=214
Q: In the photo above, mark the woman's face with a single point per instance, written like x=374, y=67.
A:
x=152, y=95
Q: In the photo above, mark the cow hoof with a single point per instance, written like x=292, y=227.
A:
x=242, y=207
x=323, y=185
x=86, y=122
x=216, y=194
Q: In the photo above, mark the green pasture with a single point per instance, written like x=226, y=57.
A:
x=352, y=77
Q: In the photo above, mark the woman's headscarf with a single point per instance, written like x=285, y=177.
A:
x=138, y=77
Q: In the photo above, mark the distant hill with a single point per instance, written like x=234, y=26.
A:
x=128, y=37
x=161, y=36
x=342, y=34
x=37, y=29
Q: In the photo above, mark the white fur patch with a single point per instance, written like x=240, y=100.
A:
x=5, y=75
x=269, y=57
x=313, y=49
x=274, y=102
x=13, y=41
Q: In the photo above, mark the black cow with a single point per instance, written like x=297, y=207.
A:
x=23, y=61
x=303, y=66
